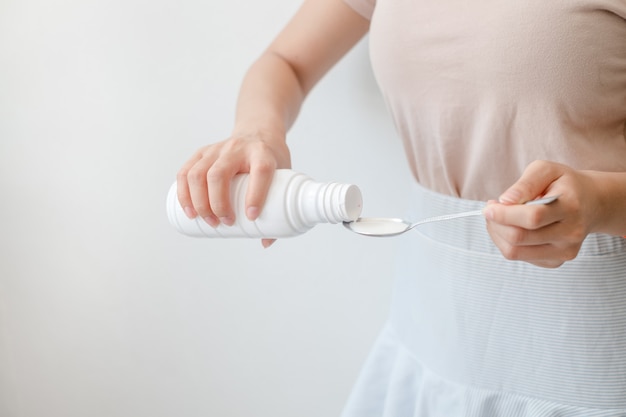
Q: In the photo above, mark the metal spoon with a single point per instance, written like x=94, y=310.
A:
x=383, y=227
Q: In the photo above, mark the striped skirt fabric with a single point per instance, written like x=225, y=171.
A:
x=472, y=334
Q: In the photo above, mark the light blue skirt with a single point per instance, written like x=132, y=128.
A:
x=472, y=334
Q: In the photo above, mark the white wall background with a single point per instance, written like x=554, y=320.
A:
x=104, y=309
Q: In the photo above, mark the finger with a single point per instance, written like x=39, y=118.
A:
x=518, y=236
x=547, y=264
x=549, y=256
x=219, y=178
x=267, y=242
x=546, y=255
x=261, y=176
x=534, y=181
x=550, y=245
x=531, y=217
x=182, y=187
x=198, y=190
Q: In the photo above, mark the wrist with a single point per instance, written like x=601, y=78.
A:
x=268, y=134
x=610, y=202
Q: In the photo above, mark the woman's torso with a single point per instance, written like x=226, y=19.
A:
x=479, y=90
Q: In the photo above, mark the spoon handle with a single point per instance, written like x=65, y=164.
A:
x=444, y=217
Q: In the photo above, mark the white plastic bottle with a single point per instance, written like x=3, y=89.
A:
x=295, y=203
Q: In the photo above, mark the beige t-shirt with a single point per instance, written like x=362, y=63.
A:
x=478, y=90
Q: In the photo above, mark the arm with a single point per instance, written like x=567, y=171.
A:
x=590, y=202
x=318, y=35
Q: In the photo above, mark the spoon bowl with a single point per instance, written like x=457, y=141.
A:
x=386, y=226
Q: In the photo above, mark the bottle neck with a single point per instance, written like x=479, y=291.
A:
x=329, y=202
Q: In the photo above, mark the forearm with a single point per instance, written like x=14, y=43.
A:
x=269, y=99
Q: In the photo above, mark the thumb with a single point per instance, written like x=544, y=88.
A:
x=533, y=182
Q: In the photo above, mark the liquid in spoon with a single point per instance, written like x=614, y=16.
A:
x=378, y=226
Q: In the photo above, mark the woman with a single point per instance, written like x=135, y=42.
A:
x=523, y=317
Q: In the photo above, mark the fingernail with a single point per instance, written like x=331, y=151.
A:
x=227, y=220
x=488, y=212
x=212, y=221
x=189, y=212
x=510, y=197
x=252, y=213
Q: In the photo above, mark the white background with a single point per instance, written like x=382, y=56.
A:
x=104, y=309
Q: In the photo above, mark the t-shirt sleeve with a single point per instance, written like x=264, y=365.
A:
x=363, y=7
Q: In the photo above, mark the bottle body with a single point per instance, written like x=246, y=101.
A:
x=295, y=203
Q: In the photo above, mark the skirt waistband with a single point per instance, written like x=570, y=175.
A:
x=476, y=319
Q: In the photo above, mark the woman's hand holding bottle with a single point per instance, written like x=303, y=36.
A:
x=203, y=182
